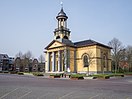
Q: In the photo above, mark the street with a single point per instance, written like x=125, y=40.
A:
x=31, y=87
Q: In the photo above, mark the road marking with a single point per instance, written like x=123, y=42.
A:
x=94, y=96
x=28, y=92
x=25, y=95
x=8, y=93
x=67, y=94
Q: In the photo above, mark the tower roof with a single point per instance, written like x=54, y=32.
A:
x=61, y=14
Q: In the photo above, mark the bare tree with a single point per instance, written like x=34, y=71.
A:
x=129, y=57
x=41, y=59
x=28, y=55
x=26, y=60
x=19, y=54
x=117, y=47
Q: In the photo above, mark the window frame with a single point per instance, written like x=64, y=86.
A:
x=85, y=60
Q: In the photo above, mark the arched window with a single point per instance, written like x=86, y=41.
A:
x=58, y=37
x=65, y=37
x=85, y=60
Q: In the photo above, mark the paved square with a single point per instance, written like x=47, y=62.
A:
x=30, y=87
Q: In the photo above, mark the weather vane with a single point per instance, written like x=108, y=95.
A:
x=61, y=4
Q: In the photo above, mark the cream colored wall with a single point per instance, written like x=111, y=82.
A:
x=95, y=52
x=104, y=51
x=72, y=60
x=96, y=63
x=91, y=50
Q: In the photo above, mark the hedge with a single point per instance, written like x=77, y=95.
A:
x=38, y=74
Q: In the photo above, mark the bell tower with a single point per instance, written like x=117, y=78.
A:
x=62, y=32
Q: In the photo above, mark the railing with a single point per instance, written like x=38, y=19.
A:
x=61, y=28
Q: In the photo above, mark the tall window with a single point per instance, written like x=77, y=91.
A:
x=86, y=60
x=104, y=61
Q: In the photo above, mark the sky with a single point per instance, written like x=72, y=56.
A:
x=28, y=25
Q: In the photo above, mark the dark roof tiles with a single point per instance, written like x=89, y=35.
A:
x=89, y=43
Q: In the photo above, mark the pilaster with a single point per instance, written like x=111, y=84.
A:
x=65, y=59
x=59, y=61
x=53, y=61
x=75, y=64
x=48, y=61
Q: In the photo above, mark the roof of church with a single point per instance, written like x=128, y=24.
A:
x=78, y=44
x=66, y=42
x=63, y=41
x=89, y=43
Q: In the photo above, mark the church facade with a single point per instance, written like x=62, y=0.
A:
x=63, y=55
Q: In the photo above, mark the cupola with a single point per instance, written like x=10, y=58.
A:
x=61, y=32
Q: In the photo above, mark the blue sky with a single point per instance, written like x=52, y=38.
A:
x=29, y=24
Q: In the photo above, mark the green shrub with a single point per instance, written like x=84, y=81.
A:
x=5, y=71
x=103, y=76
x=117, y=75
x=79, y=76
x=128, y=73
x=13, y=72
x=56, y=74
x=38, y=74
x=20, y=73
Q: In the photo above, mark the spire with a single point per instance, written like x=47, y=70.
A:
x=61, y=13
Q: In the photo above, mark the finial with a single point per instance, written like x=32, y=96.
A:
x=61, y=4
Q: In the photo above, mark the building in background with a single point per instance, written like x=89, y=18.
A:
x=28, y=65
x=35, y=65
x=6, y=63
x=20, y=64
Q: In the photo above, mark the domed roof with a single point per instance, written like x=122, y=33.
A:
x=61, y=14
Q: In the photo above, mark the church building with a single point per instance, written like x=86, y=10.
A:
x=63, y=55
